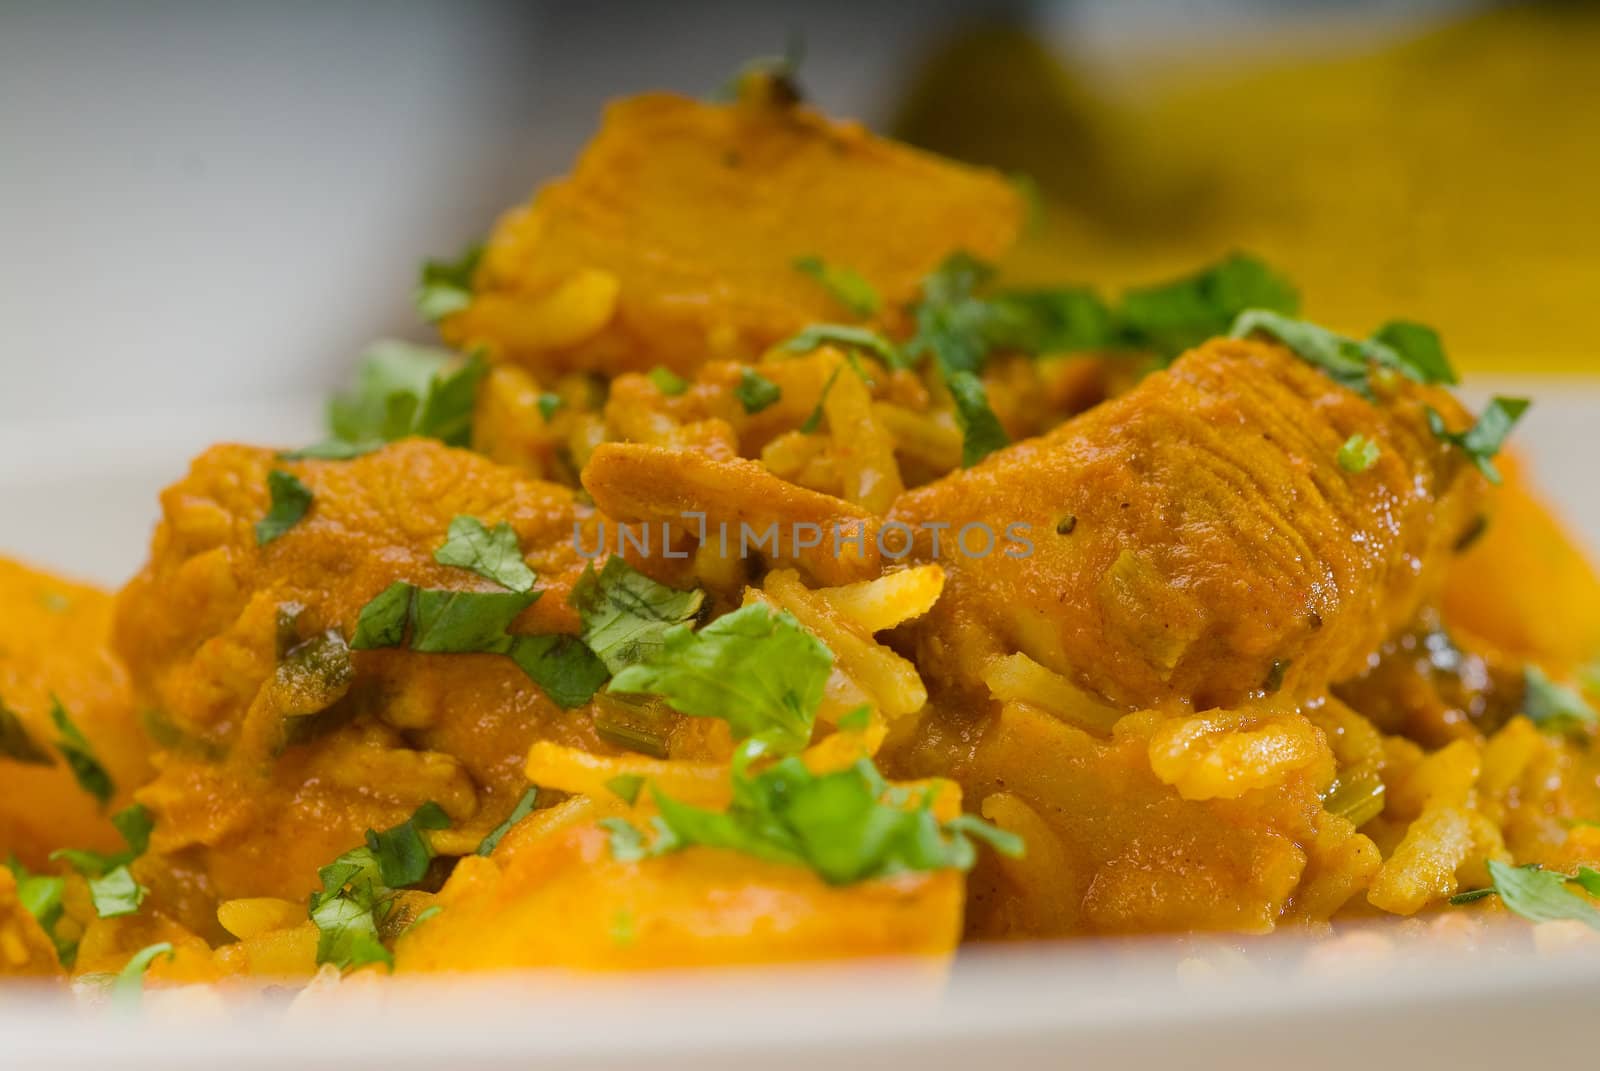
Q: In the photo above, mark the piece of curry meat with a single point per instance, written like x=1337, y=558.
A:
x=1198, y=554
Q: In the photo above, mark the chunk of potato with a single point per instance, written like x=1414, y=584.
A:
x=673, y=241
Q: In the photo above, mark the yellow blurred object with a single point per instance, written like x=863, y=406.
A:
x=1447, y=177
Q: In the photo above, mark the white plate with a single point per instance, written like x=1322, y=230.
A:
x=82, y=497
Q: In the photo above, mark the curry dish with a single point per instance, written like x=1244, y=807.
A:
x=751, y=575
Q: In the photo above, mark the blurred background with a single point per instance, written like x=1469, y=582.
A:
x=216, y=202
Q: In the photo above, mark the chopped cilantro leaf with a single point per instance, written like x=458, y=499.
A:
x=1343, y=359
x=856, y=720
x=627, y=843
x=111, y=885
x=1553, y=706
x=134, y=823
x=463, y=622
x=846, y=825
x=76, y=749
x=981, y=433
x=813, y=421
x=548, y=404
x=43, y=897
x=493, y=554
x=290, y=501
x=115, y=893
x=1358, y=454
x=129, y=985
x=562, y=665
x=523, y=808
x=625, y=613
x=958, y=328
x=815, y=336
x=469, y=622
x=844, y=285
x=1418, y=352
x=1179, y=315
x=16, y=744
x=756, y=669
x=626, y=787
x=403, y=853
x=1068, y=320
x=383, y=620
x=356, y=894
x=1539, y=895
x=755, y=391
x=1483, y=440
x=402, y=389
x=445, y=286
x=667, y=381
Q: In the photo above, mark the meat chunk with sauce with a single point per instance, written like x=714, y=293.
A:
x=281, y=746
x=674, y=239
x=1196, y=541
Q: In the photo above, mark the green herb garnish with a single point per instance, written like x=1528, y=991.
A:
x=1417, y=348
x=401, y=390
x=402, y=852
x=290, y=501
x=1483, y=440
x=523, y=808
x=1179, y=315
x=981, y=433
x=493, y=554
x=848, y=338
x=626, y=787
x=856, y=720
x=562, y=665
x=756, y=669
x=1358, y=454
x=475, y=622
x=111, y=884
x=445, y=286
x=625, y=614
x=813, y=420
x=1345, y=360
x=1553, y=706
x=358, y=889
x=79, y=753
x=548, y=405
x=844, y=285
x=116, y=893
x=846, y=826
x=667, y=381
x=1540, y=895
x=129, y=985
x=16, y=744
x=42, y=896
x=755, y=391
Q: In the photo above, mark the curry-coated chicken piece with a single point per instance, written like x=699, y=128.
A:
x=554, y=895
x=281, y=744
x=1196, y=541
x=674, y=240
x=55, y=660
